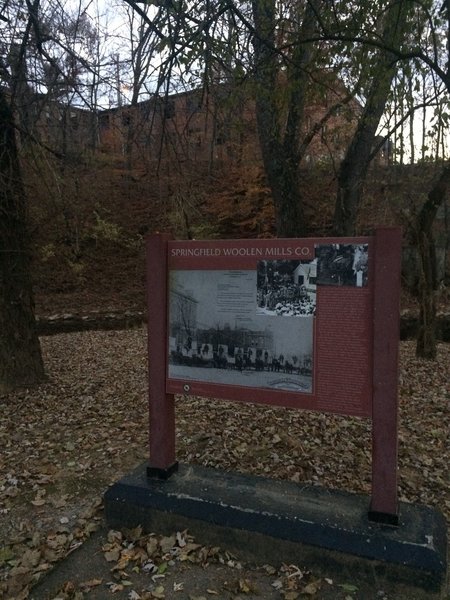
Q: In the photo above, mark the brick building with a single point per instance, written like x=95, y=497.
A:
x=216, y=127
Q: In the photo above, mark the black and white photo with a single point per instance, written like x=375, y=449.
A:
x=217, y=333
x=342, y=264
x=286, y=288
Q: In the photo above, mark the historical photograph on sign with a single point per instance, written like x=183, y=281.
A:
x=216, y=334
x=286, y=288
x=342, y=264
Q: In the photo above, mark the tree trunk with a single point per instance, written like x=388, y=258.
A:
x=356, y=162
x=426, y=339
x=20, y=354
x=283, y=176
x=280, y=144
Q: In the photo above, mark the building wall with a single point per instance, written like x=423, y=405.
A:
x=219, y=127
x=66, y=129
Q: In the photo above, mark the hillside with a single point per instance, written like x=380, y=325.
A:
x=88, y=222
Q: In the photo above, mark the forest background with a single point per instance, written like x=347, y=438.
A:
x=74, y=209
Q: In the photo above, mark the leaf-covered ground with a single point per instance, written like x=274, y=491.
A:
x=64, y=442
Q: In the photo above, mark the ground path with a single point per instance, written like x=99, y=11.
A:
x=65, y=441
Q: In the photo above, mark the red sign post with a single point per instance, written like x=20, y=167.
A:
x=303, y=323
x=386, y=334
x=161, y=404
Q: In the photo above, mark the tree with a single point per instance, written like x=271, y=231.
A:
x=354, y=167
x=426, y=338
x=20, y=354
x=282, y=70
x=27, y=38
x=141, y=44
x=432, y=49
x=280, y=141
x=429, y=44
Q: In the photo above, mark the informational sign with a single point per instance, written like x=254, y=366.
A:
x=285, y=322
x=302, y=323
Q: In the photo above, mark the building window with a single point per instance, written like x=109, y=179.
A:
x=193, y=104
x=74, y=121
x=103, y=120
x=169, y=109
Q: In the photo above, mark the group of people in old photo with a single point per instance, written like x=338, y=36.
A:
x=222, y=356
x=286, y=288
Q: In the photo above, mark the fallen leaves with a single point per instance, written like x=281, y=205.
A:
x=40, y=499
x=35, y=552
x=87, y=586
x=66, y=440
x=293, y=583
x=131, y=550
x=348, y=587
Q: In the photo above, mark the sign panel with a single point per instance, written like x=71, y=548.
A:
x=285, y=322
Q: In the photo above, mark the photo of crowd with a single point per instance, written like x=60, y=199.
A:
x=227, y=356
x=286, y=288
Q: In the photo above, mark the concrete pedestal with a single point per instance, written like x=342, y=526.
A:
x=265, y=520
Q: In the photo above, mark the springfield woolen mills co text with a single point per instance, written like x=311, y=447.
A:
x=272, y=252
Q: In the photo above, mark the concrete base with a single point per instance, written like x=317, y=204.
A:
x=273, y=521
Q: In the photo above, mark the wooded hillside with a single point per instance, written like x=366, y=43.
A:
x=88, y=226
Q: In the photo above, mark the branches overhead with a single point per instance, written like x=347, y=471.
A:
x=81, y=54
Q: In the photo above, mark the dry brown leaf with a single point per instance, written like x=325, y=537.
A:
x=167, y=543
x=114, y=537
x=312, y=588
x=30, y=559
x=39, y=501
x=152, y=546
x=112, y=555
x=92, y=583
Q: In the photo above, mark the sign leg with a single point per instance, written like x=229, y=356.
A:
x=161, y=405
x=386, y=335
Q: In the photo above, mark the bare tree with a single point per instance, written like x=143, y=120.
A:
x=426, y=339
x=354, y=167
x=36, y=60
x=280, y=138
x=430, y=45
x=20, y=354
